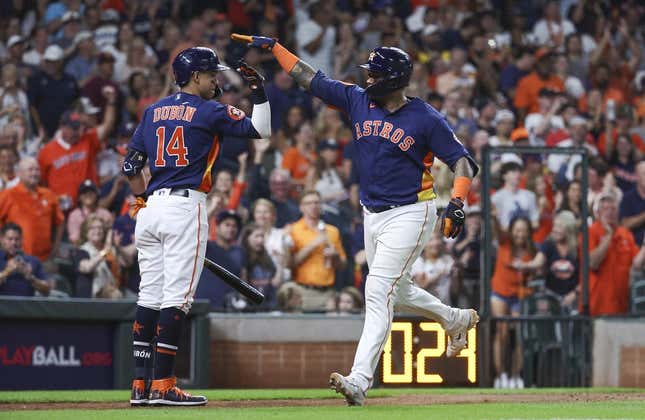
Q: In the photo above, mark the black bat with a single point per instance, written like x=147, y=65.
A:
x=248, y=291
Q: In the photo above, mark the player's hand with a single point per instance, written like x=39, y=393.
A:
x=263, y=42
x=13, y=265
x=250, y=75
x=452, y=221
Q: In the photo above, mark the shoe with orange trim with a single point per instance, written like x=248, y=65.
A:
x=166, y=392
x=140, y=392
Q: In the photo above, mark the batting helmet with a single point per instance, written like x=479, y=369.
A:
x=394, y=67
x=194, y=59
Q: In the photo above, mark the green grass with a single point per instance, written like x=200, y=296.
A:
x=479, y=411
x=617, y=410
x=276, y=394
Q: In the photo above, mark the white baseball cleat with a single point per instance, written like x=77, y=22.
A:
x=458, y=338
x=342, y=385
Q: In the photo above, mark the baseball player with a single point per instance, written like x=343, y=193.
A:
x=180, y=136
x=397, y=138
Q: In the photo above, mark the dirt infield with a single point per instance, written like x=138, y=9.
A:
x=474, y=398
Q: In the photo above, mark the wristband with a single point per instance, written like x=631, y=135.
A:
x=286, y=58
x=258, y=95
x=460, y=187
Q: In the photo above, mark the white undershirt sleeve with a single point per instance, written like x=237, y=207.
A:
x=261, y=119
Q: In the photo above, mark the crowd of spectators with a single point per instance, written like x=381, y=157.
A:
x=284, y=212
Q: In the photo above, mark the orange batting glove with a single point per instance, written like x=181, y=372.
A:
x=138, y=204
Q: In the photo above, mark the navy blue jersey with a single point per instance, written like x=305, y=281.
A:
x=394, y=150
x=181, y=135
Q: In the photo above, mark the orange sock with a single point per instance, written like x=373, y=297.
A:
x=460, y=187
x=286, y=58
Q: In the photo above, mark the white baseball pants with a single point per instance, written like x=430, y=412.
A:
x=170, y=235
x=394, y=239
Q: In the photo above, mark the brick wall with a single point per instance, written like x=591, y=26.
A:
x=277, y=365
x=632, y=366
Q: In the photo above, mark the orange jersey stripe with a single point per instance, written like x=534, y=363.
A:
x=207, y=181
x=166, y=351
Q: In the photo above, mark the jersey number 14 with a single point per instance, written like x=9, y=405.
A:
x=175, y=147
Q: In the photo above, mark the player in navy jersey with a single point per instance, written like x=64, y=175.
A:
x=396, y=139
x=179, y=137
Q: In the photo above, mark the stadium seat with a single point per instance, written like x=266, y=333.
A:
x=542, y=340
x=638, y=297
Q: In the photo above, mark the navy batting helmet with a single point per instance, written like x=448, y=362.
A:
x=194, y=59
x=393, y=67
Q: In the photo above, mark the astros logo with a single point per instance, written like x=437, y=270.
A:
x=234, y=113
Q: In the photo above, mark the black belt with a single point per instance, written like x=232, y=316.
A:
x=182, y=192
x=380, y=209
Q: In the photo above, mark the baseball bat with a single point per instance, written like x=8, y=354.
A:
x=241, y=38
x=248, y=291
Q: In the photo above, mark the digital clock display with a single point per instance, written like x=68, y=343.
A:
x=415, y=354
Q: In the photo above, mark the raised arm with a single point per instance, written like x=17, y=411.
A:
x=301, y=72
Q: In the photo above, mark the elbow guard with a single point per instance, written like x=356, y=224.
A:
x=133, y=163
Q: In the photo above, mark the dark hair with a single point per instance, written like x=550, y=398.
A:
x=10, y=226
x=508, y=167
x=308, y=192
x=131, y=90
x=632, y=154
x=566, y=205
x=529, y=239
x=253, y=257
x=599, y=166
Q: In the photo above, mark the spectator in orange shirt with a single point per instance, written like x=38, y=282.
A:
x=528, y=88
x=35, y=209
x=508, y=288
x=611, y=251
x=299, y=158
x=316, y=254
x=70, y=158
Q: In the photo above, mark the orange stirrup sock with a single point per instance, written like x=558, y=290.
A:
x=460, y=187
x=286, y=58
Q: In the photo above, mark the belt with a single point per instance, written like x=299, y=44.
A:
x=380, y=209
x=182, y=192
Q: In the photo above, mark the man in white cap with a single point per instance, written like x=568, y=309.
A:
x=71, y=25
x=82, y=62
x=15, y=49
x=578, y=132
x=51, y=91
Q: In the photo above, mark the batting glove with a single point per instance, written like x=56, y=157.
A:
x=254, y=80
x=250, y=75
x=263, y=42
x=139, y=203
x=452, y=221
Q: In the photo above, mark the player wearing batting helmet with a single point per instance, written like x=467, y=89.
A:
x=397, y=138
x=179, y=137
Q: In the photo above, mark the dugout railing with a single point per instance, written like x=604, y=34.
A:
x=554, y=346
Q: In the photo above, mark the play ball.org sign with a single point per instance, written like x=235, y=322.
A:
x=55, y=356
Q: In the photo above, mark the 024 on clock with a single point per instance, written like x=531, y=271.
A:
x=415, y=355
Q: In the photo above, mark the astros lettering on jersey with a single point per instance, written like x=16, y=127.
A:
x=421, y=133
